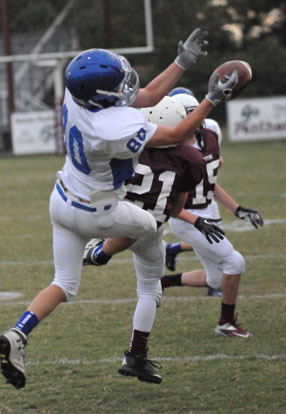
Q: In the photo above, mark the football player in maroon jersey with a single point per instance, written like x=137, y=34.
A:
x=183, y=94
x=162, y=181
x=223, y=265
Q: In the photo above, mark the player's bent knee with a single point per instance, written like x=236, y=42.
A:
x=154, y=293
x=70, y=289
x=240, y=263
x=155, y=296
x=236, y=265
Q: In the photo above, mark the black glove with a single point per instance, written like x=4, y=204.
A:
x=209, y=230
x=249, y=215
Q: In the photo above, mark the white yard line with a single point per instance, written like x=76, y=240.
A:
x=198, y=358
x=208, y=358
x=182, y=257
x=133, y=300
x=238, y=225
x=10, y=295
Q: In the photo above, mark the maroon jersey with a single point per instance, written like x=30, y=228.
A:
x=163, y=173
x=201, y=196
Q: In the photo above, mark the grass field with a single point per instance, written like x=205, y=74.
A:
x=73, y=356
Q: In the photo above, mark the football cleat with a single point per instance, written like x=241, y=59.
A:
x=94, y=254
x=170, y=259
x=232, y=330
x=214, y=292
x=12, y=344
x=141, y=367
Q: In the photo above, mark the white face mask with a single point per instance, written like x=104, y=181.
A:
x=129, y=87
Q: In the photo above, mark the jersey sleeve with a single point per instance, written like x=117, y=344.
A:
x=130, y=135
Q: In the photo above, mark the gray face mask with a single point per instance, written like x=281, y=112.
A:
x=129, y=87
x=127, y=90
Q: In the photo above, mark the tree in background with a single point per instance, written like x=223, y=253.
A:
x=238, y=29
x=27, y=16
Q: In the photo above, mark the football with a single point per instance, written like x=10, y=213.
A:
x=244, y=74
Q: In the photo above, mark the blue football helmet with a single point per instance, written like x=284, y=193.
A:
x=175, y=91
x=98, y=78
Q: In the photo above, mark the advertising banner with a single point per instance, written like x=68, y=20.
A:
x=256, y=119
x=33, y=132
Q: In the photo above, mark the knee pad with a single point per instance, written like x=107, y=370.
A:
x=70, y=288
x=151, y=291
x=235, y=264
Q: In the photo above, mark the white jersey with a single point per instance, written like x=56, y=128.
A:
x=102, y=147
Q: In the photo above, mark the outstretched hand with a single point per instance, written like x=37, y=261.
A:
x=249, y=215
x=189, y=51
x=210, y=230
x=221, y=91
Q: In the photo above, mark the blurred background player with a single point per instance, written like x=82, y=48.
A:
x=208, y=122
x=223, y=265
x=162, y=180
x=183, y=94
x=103, y=139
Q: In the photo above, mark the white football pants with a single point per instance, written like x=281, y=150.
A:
x=73, y=227
x=216, y=258
x=149, y=262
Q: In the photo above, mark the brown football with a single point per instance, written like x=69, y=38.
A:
x=244, y=74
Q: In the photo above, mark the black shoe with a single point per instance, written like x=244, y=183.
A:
x=170, y=259
x=141, y=367
x=12, y=344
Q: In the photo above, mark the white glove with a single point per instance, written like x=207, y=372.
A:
x=221, y=91
x=249, y=215
x=189, y=51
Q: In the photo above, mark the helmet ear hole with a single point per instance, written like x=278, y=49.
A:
x=169, y=111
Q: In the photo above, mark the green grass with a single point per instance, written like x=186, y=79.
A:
x=74, y=354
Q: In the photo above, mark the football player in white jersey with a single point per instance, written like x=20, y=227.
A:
x=223, y=265
x=103, y=139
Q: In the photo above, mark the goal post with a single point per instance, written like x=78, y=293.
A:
x=52, y=65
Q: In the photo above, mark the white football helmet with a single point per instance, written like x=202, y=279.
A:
x=189, y=101
x=169, y=111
